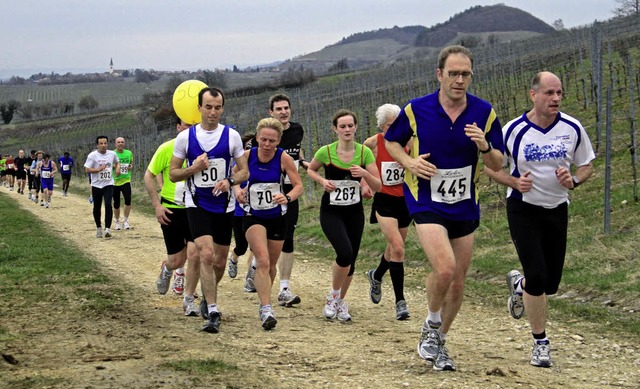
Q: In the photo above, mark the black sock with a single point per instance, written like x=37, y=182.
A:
x=382, y=269
x=396, y=271
x=541, y=336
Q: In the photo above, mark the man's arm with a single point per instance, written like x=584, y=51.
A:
x=150, y=186
x=419, y=166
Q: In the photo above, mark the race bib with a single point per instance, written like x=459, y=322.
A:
x=347, y=193
x=261, y=195
x=211, y=175
x=451, y=185
x=10, y=166
x=392, y=173
x=104, y=175
x=287, y=180
x=124, y=168
x=45, y=174
x=65, y=168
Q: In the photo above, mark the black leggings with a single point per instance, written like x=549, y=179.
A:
x=540, y=237
x=343, y=226
x=238, y=234
x=125, y=189
x=98, y=194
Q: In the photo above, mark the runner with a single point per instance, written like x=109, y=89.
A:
x=452, y=130
x=265, y=201
x=21, y=163
x=122, y=184
x=46, y=170
x=66, y=168
x=390, y=211
x=37, y=185
x=101, y=163
x=345, y=164
x=172, y=216
x=11, y=171
x=208, y=149
x=31, y=174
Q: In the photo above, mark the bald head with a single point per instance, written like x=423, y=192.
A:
x=120, y=144
x=543, y=77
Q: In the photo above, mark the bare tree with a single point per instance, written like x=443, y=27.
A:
x=627, y=7
x=558, y=24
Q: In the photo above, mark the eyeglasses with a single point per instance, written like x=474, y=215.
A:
x=455, y=74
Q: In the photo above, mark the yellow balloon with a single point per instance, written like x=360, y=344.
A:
x=185, y=101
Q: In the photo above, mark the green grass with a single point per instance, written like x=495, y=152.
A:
x=35, y=262
x=200, y=366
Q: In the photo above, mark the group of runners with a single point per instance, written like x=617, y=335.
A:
x=36, y=173
x=422, y=168
x=210, y=183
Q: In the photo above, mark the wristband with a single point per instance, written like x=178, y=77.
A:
x=489, y=148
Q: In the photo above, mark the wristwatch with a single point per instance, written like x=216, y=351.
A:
x=489, y=148
x=288, y=198
x=232, y=182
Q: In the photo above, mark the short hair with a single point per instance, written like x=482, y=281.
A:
x=278, y=97
x=66, y=153
x=343, y=112
x=270, y=123
x=33, y=151
x=47, y=156
x=101, y=137
x=455, y=49
x=215, y=92
x=385, y=111
x=246, y=138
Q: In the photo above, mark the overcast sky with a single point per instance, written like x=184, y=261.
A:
x=68, y=35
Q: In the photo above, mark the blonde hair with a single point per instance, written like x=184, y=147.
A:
x=272, y=123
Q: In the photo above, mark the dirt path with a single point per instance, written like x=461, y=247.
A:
x=305, y=350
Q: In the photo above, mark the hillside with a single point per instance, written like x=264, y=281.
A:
x=472, y=27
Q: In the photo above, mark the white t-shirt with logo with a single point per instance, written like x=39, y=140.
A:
x=105, y=177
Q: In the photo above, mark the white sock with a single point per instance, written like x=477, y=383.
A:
x=180, y=271
x=284, y=284
x=253, y=263
x=212, y=308
x=335, y=293
x=433, y=317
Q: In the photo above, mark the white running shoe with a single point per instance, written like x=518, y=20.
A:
x=515, y=302
x=233, y=267
x=107, y=233
x=541, y=354
x=118, y=225
x=286, y=298
x=126, y=225
x=330, y=311
x=178, y=283
x=189, y=307
x=99, y=232
x=343, y=312
x=267, y=317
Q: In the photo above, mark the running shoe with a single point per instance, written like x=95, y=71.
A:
x=402, y=313
x=107, y=233
x=118, y=225
x=46, y=205
x=163, y=281
x=443, y=362
x=90, y=199
x=249, y=280
x=541, y=354
x=233, y=267
x=126, y=225
x=189, y=307
x=267, y=317
x=30, y=196
x=99, y=232
x=375, y=289
x=287, y=299
x=330, y=311
x=343, y=312
x=178, y=284
x=204, y=310
x=42, y=203
x=213, y=323
x=430, y=342
x=514, y=302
